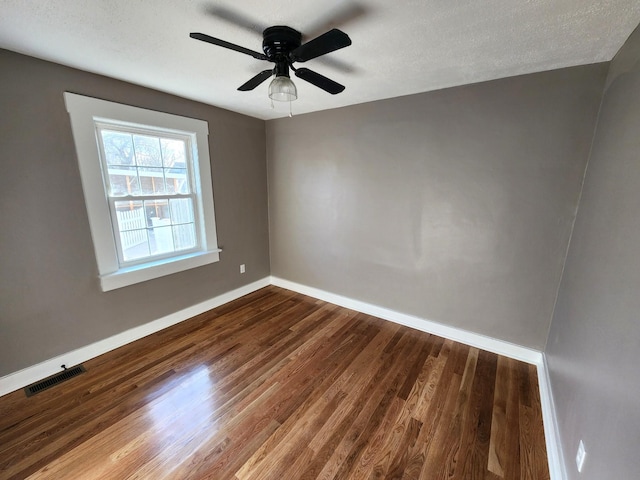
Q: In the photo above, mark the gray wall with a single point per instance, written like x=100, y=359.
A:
x=50, y=299
x=455, y=206
x=594, y=340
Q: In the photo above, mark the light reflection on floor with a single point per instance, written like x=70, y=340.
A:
x=155, y=439
x=183, y=418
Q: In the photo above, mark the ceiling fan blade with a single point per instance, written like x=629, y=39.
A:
x=319, y=81
x=230, y=46
x=327, y=42
x=255, y=81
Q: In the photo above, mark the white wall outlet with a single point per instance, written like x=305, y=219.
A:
x=580, y=456
x=242, y=269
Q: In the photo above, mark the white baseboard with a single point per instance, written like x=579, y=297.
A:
x=483, y=342
x=555, y=457
x=22, y=378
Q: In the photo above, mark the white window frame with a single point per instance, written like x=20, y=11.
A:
x=85, y=113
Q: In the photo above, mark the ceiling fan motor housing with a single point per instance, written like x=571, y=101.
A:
x=279, y=41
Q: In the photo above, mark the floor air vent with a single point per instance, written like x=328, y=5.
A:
x=54, y=380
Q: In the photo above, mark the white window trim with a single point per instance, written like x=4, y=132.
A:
x=84, y=111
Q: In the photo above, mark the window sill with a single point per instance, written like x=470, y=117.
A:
x=148, y=271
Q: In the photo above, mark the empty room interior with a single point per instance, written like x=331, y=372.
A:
x=403, y=248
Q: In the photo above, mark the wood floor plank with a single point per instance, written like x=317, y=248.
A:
x=512, y=454
x=376, y=458
x=430, y=410
x=457, y=444
x=498, y=439
x=537, y=426
x=434, y=466
x=476, y=432
x=531, y=427
x=277, y=385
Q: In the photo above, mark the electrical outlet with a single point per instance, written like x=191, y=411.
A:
x=242, y=269
x=580, y=456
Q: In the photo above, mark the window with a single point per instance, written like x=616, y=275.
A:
x=147, y=184
x=150, y=190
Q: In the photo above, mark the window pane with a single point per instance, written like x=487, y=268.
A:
x=177, y=180
x=132, y=226
x=135, y=244
x=173, y=153
x=130, y=215
x=151, y=180
x=181, y=210
x=158, y=209
x=160, y=236
x=147, y=150
x=118, y=147
x=184, y=236
x=123, y=181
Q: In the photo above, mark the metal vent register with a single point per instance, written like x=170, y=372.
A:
x=54, y=380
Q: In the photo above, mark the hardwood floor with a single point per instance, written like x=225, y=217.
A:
x=277, y=385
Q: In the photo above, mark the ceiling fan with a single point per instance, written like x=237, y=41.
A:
x=283, y=46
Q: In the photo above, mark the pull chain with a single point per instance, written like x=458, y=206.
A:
x=290, y=112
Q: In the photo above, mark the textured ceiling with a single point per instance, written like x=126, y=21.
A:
x=399, y=47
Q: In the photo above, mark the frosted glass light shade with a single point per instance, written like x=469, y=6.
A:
x=282, y=89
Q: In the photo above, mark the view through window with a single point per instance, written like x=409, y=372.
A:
x=150, y=190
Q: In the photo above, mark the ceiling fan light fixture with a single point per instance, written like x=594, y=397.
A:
x=282, y=89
